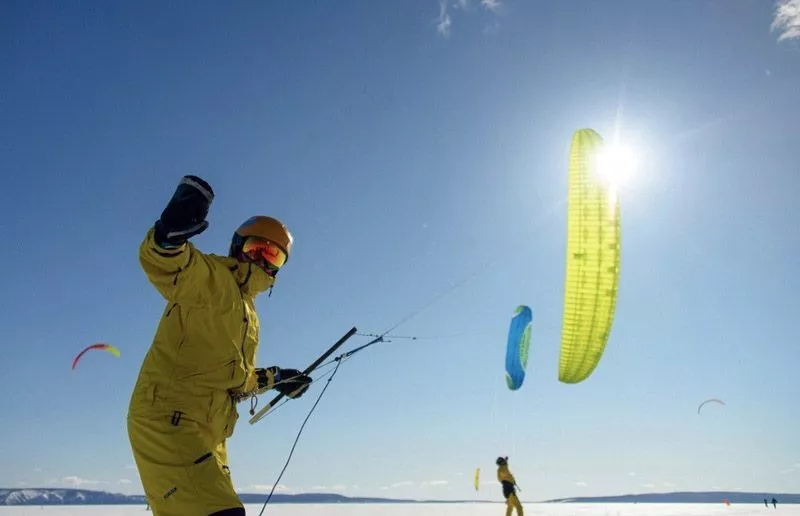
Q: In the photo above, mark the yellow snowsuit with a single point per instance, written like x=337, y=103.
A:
x=505, y=477
x=183, y=405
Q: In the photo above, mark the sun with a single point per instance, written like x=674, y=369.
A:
x=617, y=164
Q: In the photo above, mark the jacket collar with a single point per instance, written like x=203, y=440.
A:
x=251, y=279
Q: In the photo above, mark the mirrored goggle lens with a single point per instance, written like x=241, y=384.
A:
x=260, y=250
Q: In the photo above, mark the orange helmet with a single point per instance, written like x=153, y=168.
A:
x=267, y=228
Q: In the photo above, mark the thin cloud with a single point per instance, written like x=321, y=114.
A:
x=265, y=488
x=403, y=483
x=78, y=481
x=435, y=483
x=649, y=486
x=337, y=487
x=581, y=484
x=443, y=22
x=632, y=474
x=794, y=468
x=124, y=481
x=786, y=20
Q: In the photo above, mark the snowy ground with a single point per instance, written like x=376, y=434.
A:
x=437, y=510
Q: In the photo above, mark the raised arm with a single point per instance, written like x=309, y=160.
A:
x=173, y=265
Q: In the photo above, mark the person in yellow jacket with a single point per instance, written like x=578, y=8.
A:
x=506, y=479
x=201, y=361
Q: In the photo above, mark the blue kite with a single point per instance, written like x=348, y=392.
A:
x=519, y=336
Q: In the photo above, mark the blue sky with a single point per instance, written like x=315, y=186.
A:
x=410, y=147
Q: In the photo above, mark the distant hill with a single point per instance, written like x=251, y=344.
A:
x=54, y=496
x=686, y=497
x=47, y=496
x=51, y=496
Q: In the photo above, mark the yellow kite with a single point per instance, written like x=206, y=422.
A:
x=593, y=258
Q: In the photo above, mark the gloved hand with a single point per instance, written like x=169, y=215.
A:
x=185, y=215
x=289, y=382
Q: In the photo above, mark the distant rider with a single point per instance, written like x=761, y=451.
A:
x=505, y=478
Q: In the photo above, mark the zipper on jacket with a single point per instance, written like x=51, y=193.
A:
x=246, y=322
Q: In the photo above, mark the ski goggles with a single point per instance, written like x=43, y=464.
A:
x=265, y=254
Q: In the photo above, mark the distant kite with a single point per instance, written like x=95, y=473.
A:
x=477, y=478
x=107, y=347
x=593, y=259
x=519, y=336
x=712, y=400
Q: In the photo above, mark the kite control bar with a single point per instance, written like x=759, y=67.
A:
x=263, y=412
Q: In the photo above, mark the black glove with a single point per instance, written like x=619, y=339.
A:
x=185, y=215
x=289, y=382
